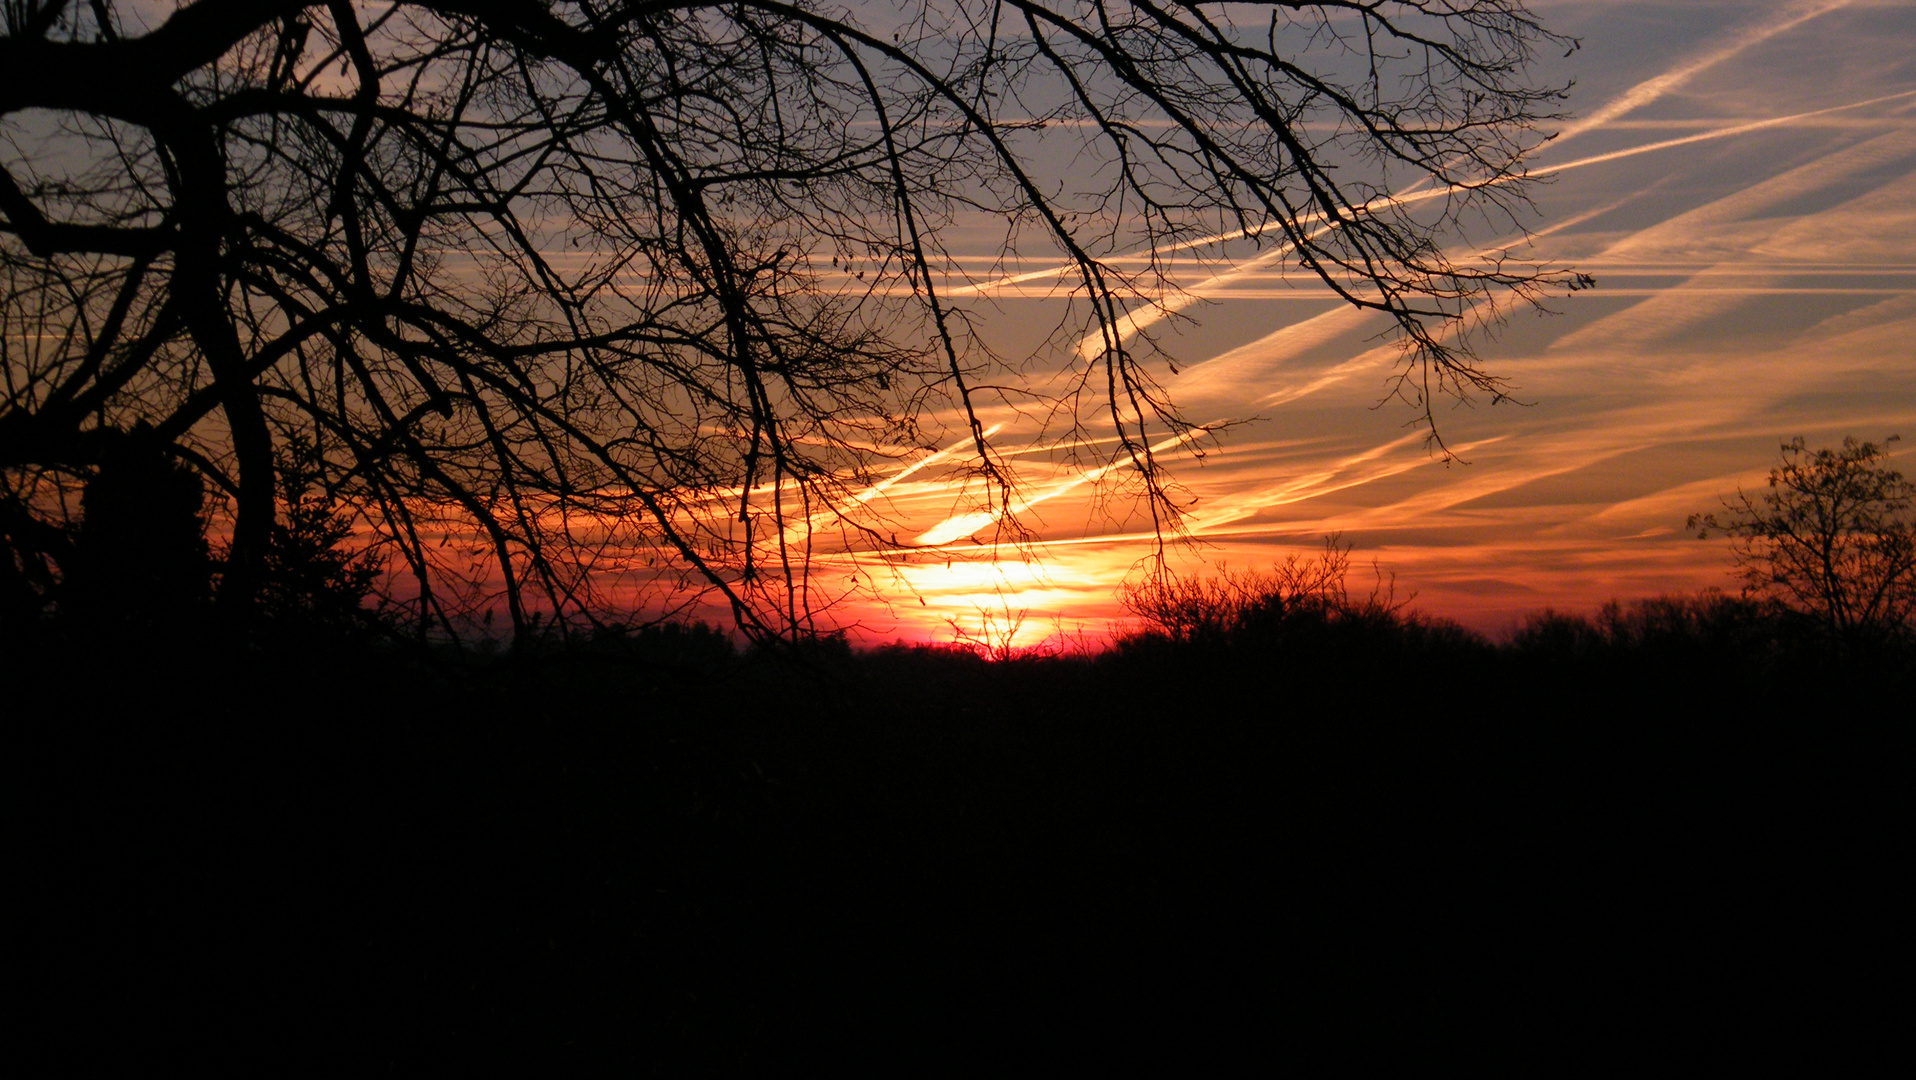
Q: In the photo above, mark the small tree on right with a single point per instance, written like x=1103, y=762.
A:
x=1833, y=537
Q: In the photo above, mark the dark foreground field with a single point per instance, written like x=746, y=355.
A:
x=1576, y=856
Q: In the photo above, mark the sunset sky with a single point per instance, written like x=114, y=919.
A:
x=1740, y=178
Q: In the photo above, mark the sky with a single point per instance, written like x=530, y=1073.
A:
x=1739, y=176
x=1740, y=179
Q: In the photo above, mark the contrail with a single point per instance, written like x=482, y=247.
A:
x=1128, y=325
x=1629, y=101
x=1145, y=317
x=1318, y=329
x=1702, y=136
x=966, y=524
x=1649, y=90
x=1137, y=320
x=885, y=485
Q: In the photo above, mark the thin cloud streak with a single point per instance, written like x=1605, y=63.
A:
x=1670, y=81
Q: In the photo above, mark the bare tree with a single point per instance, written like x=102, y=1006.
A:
x=1833, y=537
x=554, y=291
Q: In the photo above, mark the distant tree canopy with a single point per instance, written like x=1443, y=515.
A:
x=1832, y=537
x=552, y=294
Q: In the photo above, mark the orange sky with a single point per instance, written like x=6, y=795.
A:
x=1741, y=180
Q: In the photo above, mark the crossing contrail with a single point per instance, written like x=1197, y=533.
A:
x=1649, y=90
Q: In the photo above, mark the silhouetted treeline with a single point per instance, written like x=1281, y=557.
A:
x=654, y=850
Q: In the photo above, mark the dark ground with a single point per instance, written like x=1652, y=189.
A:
x=917, y=862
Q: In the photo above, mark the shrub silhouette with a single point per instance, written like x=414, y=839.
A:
x=1302, y=607
x=1237, y=605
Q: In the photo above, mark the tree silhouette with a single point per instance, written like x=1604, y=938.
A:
x=313, y=582
x=564, y=295
x=139, y=559
x=1833, y=537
